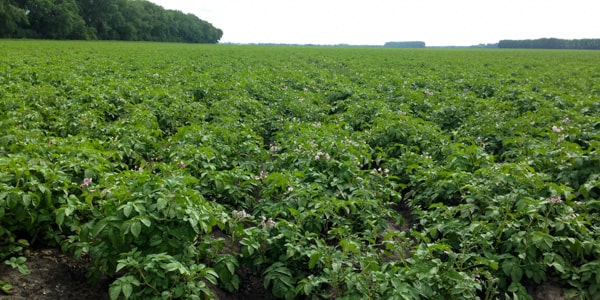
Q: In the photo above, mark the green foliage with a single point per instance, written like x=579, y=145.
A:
x=161, y=276
x=108, y=20
x=226, y=266
x=326, y=173
x=551, y=43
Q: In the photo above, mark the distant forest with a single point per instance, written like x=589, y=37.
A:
x=132, y=20
x=412, y=44
x=551, y=43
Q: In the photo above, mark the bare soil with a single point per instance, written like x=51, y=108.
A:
x=53, y=276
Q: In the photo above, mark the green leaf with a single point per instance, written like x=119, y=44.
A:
x=212, y=276
x=43, y=189
x=114, y=291
x=146, y=221
x=174, y=266
x=493, y=265
x=60, y=216
x=349, y=246
x=139, y=208
x=454, y=275
x=99, y=227
x=136, y=229
x=235, y=282
x=85, y=232
x=127, y=210
x=314, y=259
x=511, y=268
x=69, y=210
x=6, y=287
x=516, y=273
x=161, y=203
x=231, y=266
x=23, y=269
x=558, y=267
x=127, y=290
x=122, y=263
x=490, y=263
x=250, y=245
x=542, y=240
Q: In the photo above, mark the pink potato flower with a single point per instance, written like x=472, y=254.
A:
x=86, y=182
x=267, y=223
x=555, y=200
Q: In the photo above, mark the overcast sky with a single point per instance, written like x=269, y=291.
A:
x=374, y=22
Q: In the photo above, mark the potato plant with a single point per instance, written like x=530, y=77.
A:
x=327, y=172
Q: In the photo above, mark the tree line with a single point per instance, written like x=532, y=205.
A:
x=551, y=43
x=410, y=44
x=132, y=20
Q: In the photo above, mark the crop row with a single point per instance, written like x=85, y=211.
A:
x=327, y=173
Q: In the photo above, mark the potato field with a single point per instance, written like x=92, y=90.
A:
x=177, y=170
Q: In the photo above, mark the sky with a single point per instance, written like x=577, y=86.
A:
x=374, y=22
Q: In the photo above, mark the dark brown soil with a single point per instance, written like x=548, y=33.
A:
x=52, y=276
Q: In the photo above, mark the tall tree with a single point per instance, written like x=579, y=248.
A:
x=99, y=16
x=55, y=19
x=12, y=18
x=102, y=19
